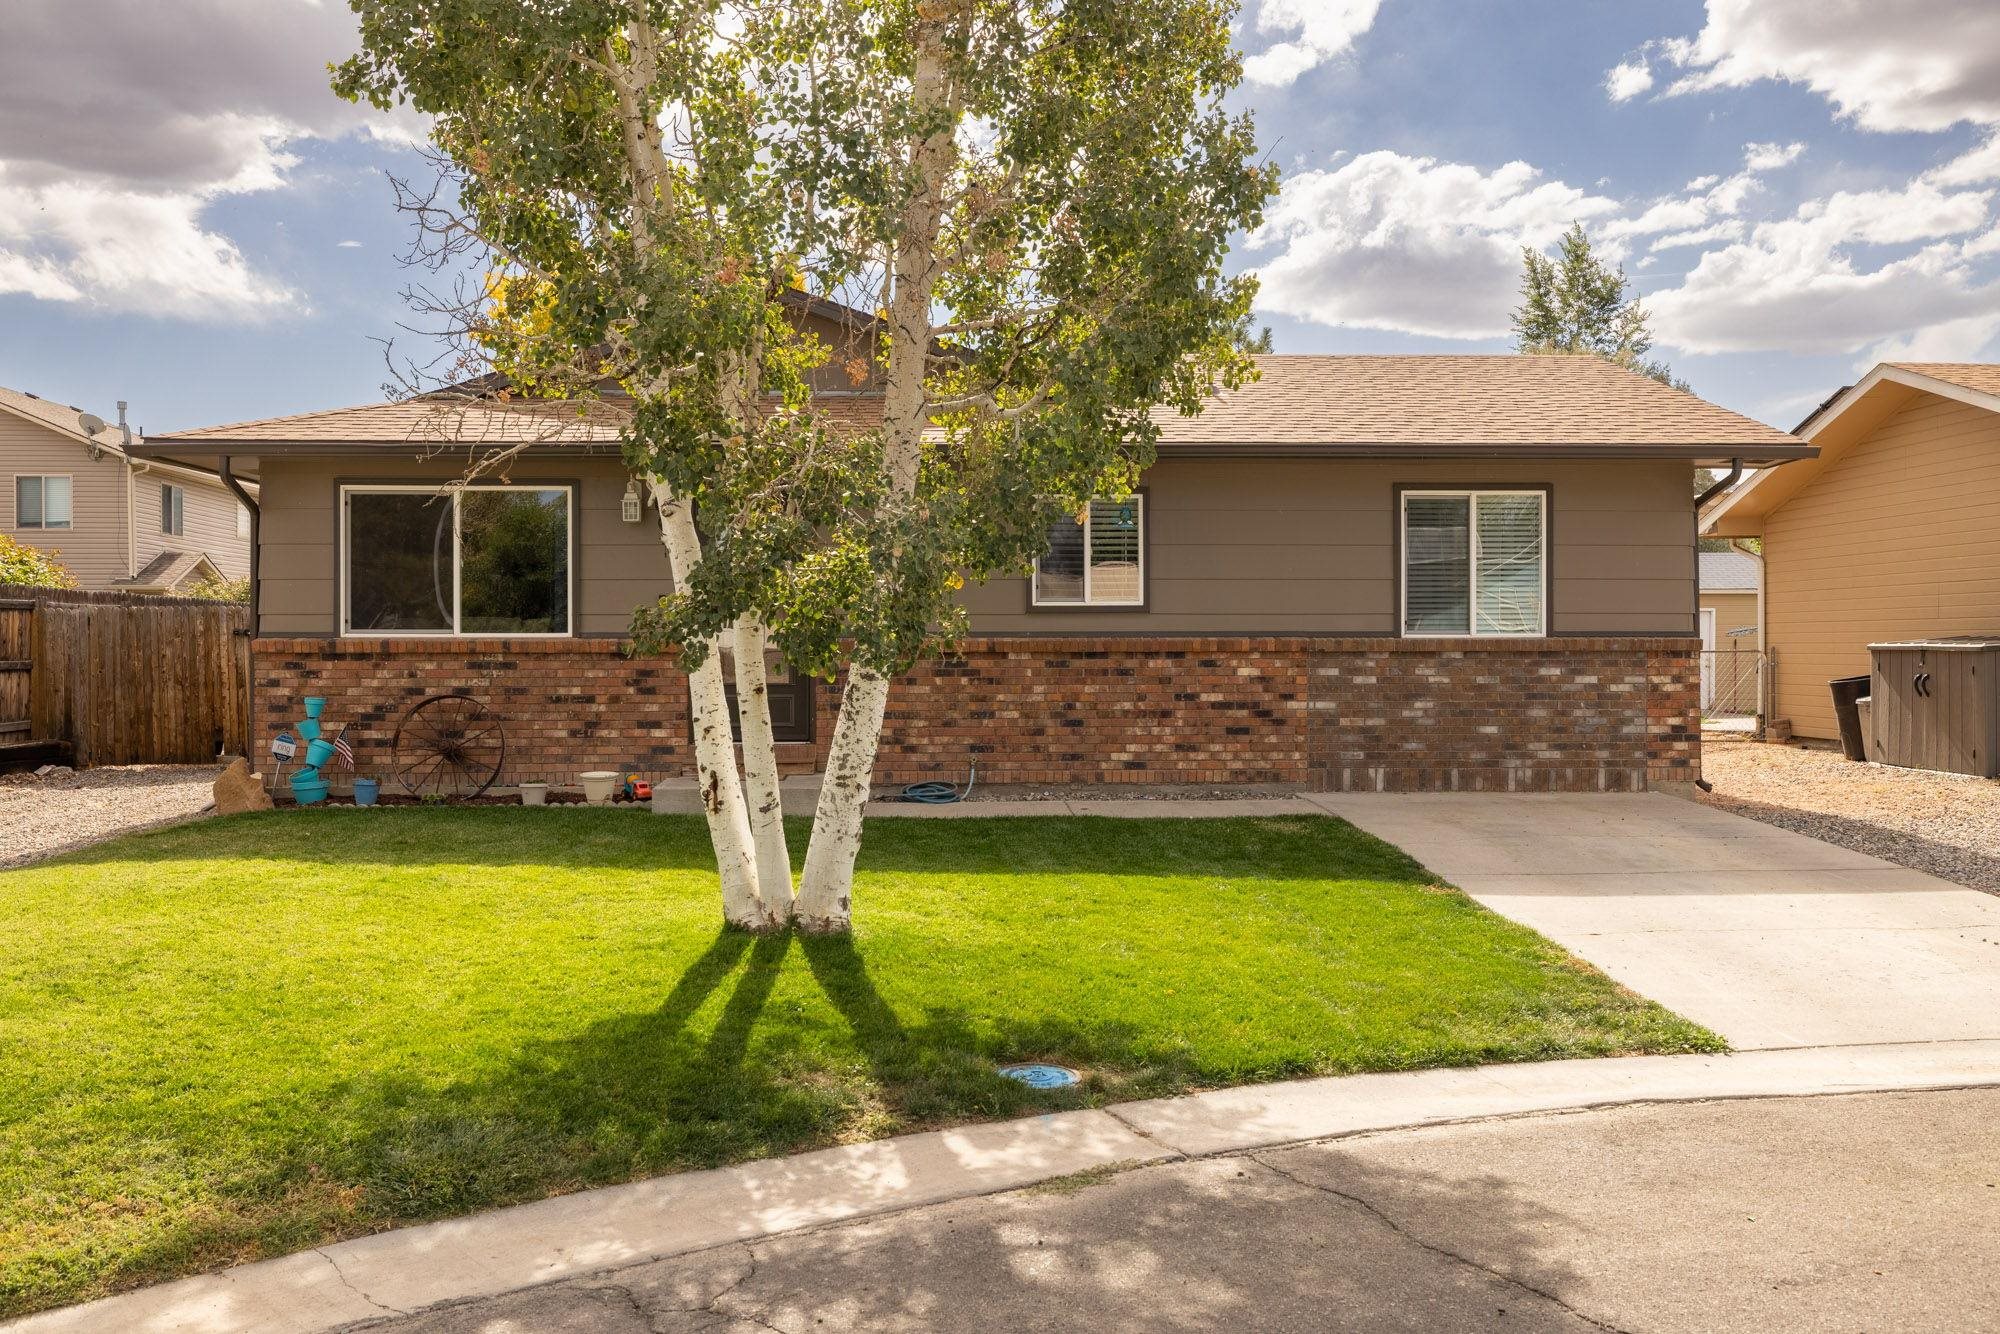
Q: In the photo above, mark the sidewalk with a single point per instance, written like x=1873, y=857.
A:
x=594, y=1231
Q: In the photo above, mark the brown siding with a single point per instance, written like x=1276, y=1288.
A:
x=1307, y=546
x=619, y=565
x=95, y=548
x=1276, y=546
x=1733, y=611
x=1896, y=539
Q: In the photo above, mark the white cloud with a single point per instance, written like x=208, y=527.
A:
x=1313, y=32
x=1977, y=167
x=348, y=245
x=1953, y=340
x=1770, y=157
x=1412, y=244
x=1626, y=81
x=1796, y=283
x=1912, y=65
x=1420, y=246
x=1729, y=230
x=123, y=121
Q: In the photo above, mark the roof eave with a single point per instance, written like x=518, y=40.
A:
x=1739, y=513
x=169, y=447
x=1697, y=453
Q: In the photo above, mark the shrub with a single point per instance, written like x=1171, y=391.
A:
x=219, y=589
x=31, y=566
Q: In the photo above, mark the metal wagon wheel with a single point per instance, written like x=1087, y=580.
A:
x=449, y=744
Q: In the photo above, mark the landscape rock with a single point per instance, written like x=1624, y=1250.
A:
x=238, y=790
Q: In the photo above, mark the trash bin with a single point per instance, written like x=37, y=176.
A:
x=1847, y=690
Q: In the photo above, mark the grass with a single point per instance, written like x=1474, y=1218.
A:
x=249, y=1036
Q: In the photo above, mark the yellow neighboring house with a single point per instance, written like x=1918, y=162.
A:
x=1891, y=533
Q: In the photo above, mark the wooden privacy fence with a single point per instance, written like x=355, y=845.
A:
x=123, y=678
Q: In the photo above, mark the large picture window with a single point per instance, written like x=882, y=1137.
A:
x=1097, y=559
x=1475, y=563
x=486, y=560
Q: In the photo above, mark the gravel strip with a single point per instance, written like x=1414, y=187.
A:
x=1945, y=824
x=40, y=817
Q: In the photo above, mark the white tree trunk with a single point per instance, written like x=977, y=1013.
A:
x=715, y=753
x=760, y=767
x=826, y=889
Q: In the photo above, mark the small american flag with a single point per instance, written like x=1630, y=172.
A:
x=342, y=751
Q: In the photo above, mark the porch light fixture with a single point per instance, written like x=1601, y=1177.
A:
x=629, y=509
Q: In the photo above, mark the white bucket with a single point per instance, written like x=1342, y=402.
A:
x=534, y=794
x=598, y=785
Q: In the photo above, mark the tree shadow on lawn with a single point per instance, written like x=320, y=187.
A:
x=642, y=1094
x=564, y=838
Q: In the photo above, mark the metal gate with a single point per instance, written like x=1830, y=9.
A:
x=1732, y=683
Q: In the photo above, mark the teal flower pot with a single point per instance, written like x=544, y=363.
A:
x=365, y=791
x=314, y=704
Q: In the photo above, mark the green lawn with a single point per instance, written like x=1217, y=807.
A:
x=248, y=1036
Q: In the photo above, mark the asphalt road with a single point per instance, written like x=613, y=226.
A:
x=1875, y=1212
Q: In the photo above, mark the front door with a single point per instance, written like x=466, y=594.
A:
x=791, y=697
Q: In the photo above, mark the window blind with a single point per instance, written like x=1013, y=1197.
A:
x=1509, y=579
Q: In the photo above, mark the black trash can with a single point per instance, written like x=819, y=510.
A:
x=1846, y=690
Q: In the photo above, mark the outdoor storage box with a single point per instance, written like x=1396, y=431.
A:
x=1936, y=706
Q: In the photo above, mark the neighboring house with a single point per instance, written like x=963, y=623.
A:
x=1732, y=666
x=1893, y=532
x=115, y=519
x=1731, y=582
x=1375, y=572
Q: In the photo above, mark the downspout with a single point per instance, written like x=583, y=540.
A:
x=256, y=526
x=1700, y=503
x=1735, y=475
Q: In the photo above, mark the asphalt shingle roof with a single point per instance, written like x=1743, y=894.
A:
x=1354, y=404
x=1981, y=377
x=1730, y=569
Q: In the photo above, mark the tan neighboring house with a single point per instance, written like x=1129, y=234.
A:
x=115, y=520
x=1731, y=583
x=1891, y=533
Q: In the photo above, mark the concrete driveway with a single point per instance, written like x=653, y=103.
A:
x=1768, y=937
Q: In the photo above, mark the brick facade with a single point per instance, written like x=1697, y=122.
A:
x=1563, y=714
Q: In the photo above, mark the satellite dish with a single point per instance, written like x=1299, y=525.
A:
x=90, y=422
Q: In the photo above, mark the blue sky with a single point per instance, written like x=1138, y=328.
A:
x=1800, y=188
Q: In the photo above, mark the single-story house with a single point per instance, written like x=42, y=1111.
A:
x=1355, y=573
x=1891, y=533
x=116, y=517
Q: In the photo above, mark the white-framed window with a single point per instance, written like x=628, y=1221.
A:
x=1475, y=563
x=173, y=510
x=484, y=560
x=43, y=501
x=1096, y=559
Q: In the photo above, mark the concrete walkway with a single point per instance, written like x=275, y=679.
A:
x=602, y=1231
x=1768, y=937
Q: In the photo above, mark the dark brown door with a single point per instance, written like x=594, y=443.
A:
x=791, y=699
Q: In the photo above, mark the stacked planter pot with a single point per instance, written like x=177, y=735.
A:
x=309, y=784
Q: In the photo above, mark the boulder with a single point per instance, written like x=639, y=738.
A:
x=238, y=790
